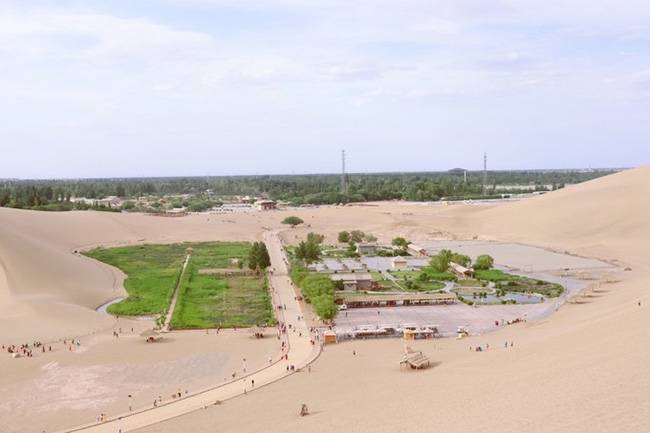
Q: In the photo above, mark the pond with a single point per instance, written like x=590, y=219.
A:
x=519, y=298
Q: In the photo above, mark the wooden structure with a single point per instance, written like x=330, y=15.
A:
x=461, y=271
x=417, y=251
x=329, y=337
x=367, y=248
x=354, y=281
x=266, y=205
x=353, y=300
x=415, y=359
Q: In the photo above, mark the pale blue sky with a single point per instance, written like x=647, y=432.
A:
x=216, y=87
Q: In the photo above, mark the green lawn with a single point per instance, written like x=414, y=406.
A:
x=205, y=300
x=409, y=281
x=210, y=301
x=492, y=275
x=439, y=276
x=421, y=286
x=152, y=272
x=516, y=283
x=401, y=275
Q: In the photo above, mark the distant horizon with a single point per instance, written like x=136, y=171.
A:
x=579, y=169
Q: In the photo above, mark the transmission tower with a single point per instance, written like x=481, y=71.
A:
x=344, y=181
x=484, y=173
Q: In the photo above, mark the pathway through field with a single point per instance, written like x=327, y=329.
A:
x=172, y=304
x=300, y=353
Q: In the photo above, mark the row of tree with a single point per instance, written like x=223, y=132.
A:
x=318, y=289
x=440, y=262
x=300, y=189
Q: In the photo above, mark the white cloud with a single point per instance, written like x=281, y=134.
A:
x=95, y=37
x=318, y=71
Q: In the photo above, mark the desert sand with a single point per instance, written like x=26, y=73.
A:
x=581, y=369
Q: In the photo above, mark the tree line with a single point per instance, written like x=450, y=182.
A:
x=297, y=189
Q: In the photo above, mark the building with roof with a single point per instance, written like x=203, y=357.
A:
x=417, y=250
x=353, y=300
x=399, y=263
x=367, y=248
x=461, y=271
x=266, y=205
x=354, y=281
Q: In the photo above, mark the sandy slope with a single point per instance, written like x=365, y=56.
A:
x=607, y=217
x=584, y=369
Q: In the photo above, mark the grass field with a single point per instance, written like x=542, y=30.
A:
x=421, y=286
x=516, y=283
x=152, y=272
x=204, y=300
x=210, y=301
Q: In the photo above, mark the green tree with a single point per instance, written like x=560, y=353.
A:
x=292, y=221
x=258, y=257
x=315, y=237
x=483, y=263
x=357, y=236
x=400, y=243
x=461, y=259
x=308, y=251
x=325, y=307
x=344, y=237
x=440, y=262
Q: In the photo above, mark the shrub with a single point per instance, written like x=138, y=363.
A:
x=400, y=242
x=292, y=221
x=483, y=263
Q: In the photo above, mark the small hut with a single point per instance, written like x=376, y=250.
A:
x=329, y=337
x=399, y=263
x=461, y=271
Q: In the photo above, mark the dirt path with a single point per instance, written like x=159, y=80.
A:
x=172, y=304
x=300, y=352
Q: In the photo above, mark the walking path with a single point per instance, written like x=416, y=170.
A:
x=172, y=304
x=300, y=353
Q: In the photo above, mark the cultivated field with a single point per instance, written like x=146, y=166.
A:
x=213, y=292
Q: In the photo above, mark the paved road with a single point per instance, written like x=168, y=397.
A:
x=300, y=353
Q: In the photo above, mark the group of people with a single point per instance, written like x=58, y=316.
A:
x=25, y=350
x=517, y=320
x=487, y=346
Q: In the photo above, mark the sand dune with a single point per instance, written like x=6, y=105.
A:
x=582, y=369
x=606, y=216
